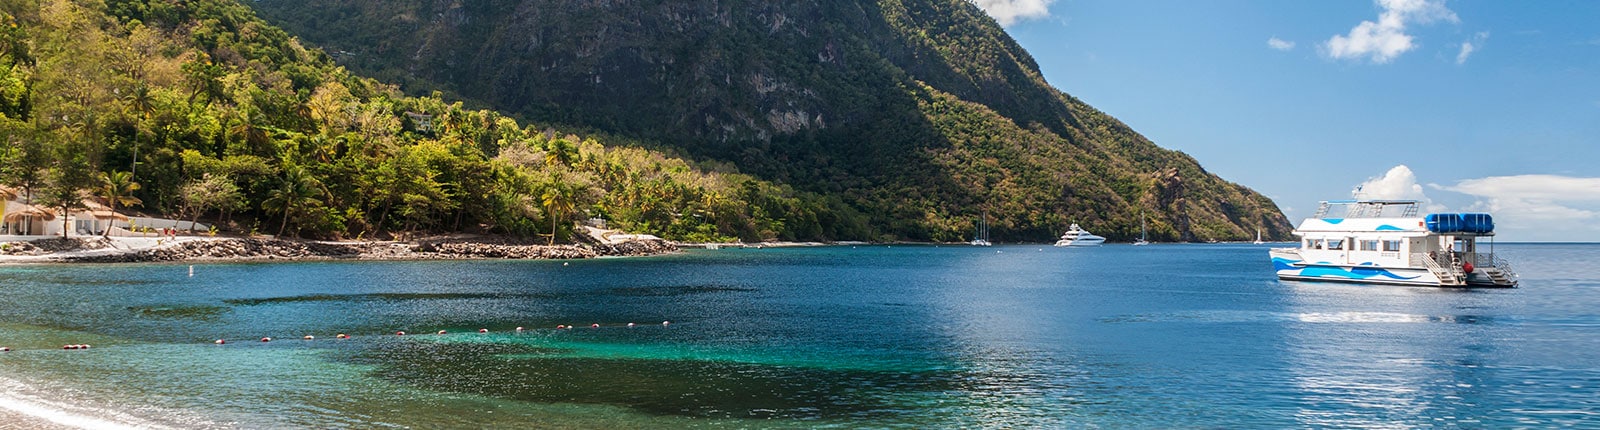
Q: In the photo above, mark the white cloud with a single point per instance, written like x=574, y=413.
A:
x=1466, y=50
x=1010, y=11
x=1545, y=207
x=1279, y=44
x=1399, y=183
x=1386, y=39
x=1470, y=46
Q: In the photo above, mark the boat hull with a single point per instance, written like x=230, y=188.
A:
x=1292, y=269
x=1081, y=242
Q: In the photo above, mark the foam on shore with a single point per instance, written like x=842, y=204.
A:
x=41, y=411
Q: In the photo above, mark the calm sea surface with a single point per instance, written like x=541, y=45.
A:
x=873, y=336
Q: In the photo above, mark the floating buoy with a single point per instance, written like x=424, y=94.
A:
x=666, y=322
x=310, y=337
x=630, y=324
x=441, y=331
x=483, y=330
x=342, y=336
x=69, y=347
x=519, y=329
x=560, y=326
x=4, y=349
x=191, y=271
x=266, y=339
x=563, y=263
x=220, y=342
x=594, y=326
x=399, y=333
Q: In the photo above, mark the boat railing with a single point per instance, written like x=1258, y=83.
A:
x=1444, y=265
x=1494, y=261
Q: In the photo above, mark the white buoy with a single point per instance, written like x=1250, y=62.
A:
x=221, y=342
x=191, y=271
x=563, y=263
x=666, y=322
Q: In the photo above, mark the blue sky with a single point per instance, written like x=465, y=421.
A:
x=1470, y=105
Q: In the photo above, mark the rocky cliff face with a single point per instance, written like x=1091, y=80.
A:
x=921, y=113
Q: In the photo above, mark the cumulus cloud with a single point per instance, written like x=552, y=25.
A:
x=1386, y=39
x=1399, y=183
x=1279, y=44
x=1010, y=11
x=1470, y=46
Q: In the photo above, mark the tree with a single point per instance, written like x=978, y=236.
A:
x=295, y=196
x=117, y=188
x=63, y=189
x=208, y=193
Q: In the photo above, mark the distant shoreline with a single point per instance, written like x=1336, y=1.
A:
x=95, y=249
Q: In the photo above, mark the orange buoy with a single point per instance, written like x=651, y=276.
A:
x=399, y=333
x=483, y=330
x=310, y=337
x=441, y=331
x=220, y=342
x=266, y=339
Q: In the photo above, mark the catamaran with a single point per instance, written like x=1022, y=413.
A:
x=1079, y=237
x=1385, y=242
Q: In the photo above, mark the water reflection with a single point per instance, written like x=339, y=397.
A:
x=1367, y=356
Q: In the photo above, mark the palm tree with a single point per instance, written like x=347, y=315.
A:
x=297, y=193
x=557, y=199
x=117, y=188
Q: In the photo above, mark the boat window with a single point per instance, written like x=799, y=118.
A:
x=1335, y=243
x=1391, y=245
x=1369, y=245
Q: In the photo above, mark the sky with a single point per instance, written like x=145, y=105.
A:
x=1469, y=105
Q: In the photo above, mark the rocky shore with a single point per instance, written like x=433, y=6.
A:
x=99, y=250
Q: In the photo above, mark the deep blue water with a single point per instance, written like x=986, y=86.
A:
x=906, y=336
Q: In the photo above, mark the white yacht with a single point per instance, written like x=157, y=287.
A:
x=1385, y=242
x=1079, y=237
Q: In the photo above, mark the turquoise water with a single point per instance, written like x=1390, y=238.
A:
x=906, y=336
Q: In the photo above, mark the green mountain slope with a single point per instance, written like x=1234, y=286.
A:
x=222, y=117
x=918, y=113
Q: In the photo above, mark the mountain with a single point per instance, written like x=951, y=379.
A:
x=918, y=113
x=214, y=113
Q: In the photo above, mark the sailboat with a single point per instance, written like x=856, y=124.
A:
x=1141, y=241
x=1258, y=237
x=982, y=238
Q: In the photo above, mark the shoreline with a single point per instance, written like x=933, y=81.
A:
x=95, y=249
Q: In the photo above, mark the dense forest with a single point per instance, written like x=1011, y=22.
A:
x=917, y=115
x=198, y=109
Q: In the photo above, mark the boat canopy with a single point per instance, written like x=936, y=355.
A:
x=1460, y=223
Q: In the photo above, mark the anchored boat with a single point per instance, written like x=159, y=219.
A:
x=1385, y=242
x=1076, y=236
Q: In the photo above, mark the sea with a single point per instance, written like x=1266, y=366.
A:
x=901, y=336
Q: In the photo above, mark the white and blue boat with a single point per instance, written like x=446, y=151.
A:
x=1386, y=242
